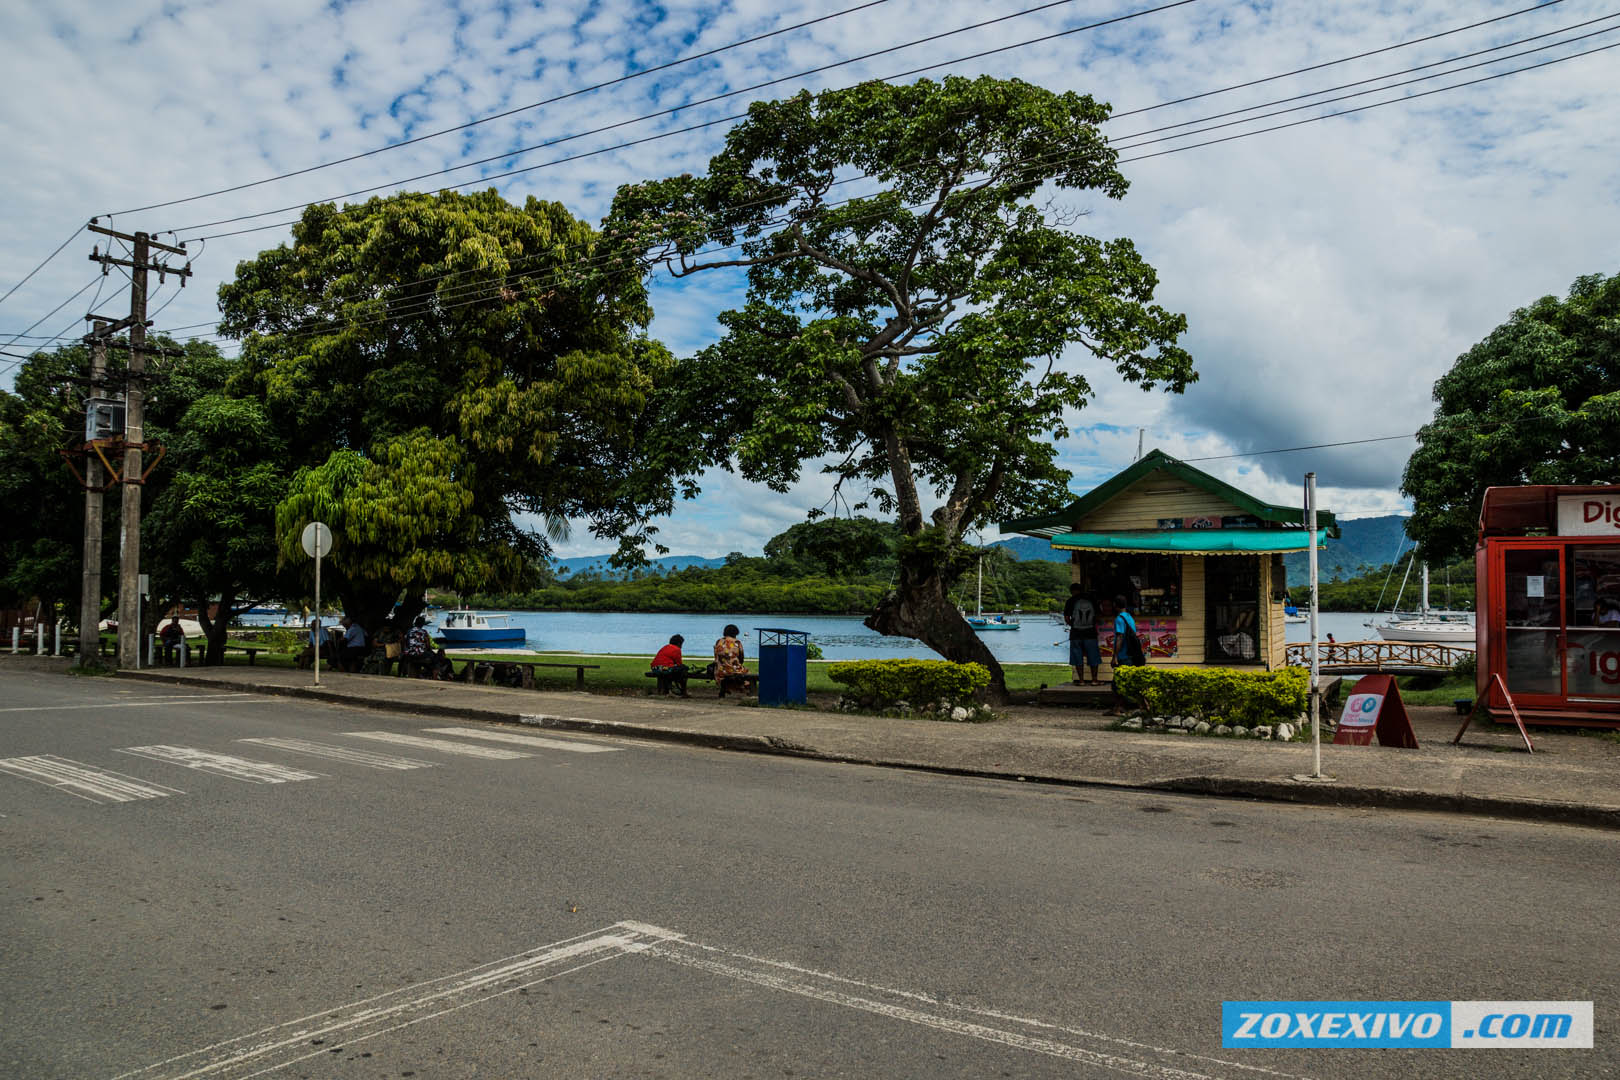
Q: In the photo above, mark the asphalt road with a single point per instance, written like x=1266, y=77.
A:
x=182, y=901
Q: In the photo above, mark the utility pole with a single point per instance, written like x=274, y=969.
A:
x=90, y=595
x=129, y=566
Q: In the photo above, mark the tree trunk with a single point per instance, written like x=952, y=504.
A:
x=918, y=607
x=214, y=630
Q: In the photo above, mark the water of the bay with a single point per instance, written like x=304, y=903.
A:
x=1039, y=638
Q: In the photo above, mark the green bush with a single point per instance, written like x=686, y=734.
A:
x=1219, y=695
x=883, y=682
x=1465, y=668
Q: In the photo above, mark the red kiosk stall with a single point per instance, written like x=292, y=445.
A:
x=1547, y=579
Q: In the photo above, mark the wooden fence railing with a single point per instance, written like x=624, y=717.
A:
x=1377, y=655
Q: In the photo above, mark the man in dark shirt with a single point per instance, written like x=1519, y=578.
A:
x=1080, y=613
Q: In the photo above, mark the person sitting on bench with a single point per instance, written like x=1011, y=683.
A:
x=729, y=667
x=174, y=640
x=670, y=670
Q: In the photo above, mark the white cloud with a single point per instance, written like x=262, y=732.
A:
x=1329, y=273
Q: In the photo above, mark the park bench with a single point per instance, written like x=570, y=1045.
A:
x=750, y=681
x=252, y=650
x=484, y=671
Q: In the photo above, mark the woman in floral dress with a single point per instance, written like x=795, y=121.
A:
x=728, y=661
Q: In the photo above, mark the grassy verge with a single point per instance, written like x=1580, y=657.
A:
x=616, y=672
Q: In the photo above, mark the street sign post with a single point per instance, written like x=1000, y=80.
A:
x=317, y=541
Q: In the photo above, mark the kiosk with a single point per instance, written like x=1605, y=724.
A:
x=1200, y=561
x=1547, y=588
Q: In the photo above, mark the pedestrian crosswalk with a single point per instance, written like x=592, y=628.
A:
x=98, y=784
x=85, y=781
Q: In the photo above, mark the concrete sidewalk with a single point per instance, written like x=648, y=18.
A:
x=1572, y=778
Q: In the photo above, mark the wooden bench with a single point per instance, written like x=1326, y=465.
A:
x=475, y=671
x=750, y=681
x=252, y=650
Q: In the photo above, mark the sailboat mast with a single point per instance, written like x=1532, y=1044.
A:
x=1425, y=608
x=978, y=603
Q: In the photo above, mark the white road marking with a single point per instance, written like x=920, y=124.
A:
x=349, y=754
x=805, y=982
x=212, y=700
x=438, y=744
x=85, y=781
x=277, y=1047
x=254, y=772
x=524, y=740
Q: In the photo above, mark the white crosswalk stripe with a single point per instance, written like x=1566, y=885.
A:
x=370, y=759
x=254, y=772
x=85, y=781
x=442, y=745
x=520, y=739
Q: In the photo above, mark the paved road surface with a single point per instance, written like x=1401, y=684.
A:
x=225, y=886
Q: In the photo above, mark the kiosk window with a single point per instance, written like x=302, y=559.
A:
x=1152, y=583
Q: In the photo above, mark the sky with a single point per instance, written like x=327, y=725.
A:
x=1329, y=271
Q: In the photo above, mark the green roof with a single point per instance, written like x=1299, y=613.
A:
x=1052, y=524
x=1193, y=541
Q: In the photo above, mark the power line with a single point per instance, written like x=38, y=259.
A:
x=1363, y=93
x=1340, y=60
x=739, y=116
x=1374, y=105
x=1397, y=74
x=508, y=155
x=513, y=112
x=41, y=266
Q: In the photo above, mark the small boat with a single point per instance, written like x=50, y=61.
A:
x=472, y=628
x=979, y=620
x=1426, y=624
x=992, y=622
x=1291, y=612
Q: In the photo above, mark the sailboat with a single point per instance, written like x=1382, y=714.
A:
x=979, y=620
x=1427, y=624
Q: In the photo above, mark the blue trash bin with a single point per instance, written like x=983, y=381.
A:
x=783, y=663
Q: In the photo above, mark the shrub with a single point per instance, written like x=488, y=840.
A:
x=883, y=682
x=1465, y=668
x=1242, y=698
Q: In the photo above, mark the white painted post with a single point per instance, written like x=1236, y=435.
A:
x=1316, y=659
x=321, y=636
x=16, y=639
x=184, y=647
x=151, y=651
x=58, y=646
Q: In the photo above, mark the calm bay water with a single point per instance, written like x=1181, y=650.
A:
x=1039, y=639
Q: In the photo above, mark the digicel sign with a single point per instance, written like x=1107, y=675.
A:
x=1589, y=515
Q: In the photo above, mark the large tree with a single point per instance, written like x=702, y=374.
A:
x=914, y=318
x=439, y=367
x=1536, y=402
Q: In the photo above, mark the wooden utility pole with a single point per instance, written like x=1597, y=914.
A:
x=90, y=597
x=129, y=564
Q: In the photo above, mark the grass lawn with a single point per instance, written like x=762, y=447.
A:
x=621, y=673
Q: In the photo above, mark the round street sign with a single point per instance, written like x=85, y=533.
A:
x=315, y=533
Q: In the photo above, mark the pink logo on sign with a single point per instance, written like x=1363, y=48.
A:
x=1361, y=710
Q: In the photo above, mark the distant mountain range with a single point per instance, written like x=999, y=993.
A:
x=1365, y=544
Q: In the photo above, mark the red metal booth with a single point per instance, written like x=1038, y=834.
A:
x=1547, y=619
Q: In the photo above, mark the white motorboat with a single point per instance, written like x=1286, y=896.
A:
x=462, y=627
x=1426, y=624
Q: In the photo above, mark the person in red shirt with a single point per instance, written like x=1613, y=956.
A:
x=670, y=669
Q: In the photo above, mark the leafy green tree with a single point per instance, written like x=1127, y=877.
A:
x=42, y=529
x=439, y=366
x=837, y=547
x=913, y=328
x=1536, y=402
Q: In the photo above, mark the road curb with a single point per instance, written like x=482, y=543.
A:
x=1331, y=794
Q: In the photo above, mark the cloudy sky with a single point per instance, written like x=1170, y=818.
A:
x=1330, y=271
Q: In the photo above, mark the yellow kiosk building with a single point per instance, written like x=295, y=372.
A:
x=1199, y=562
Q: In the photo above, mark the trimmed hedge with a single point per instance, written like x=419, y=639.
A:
x=1218, y=695
x=918, y=681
